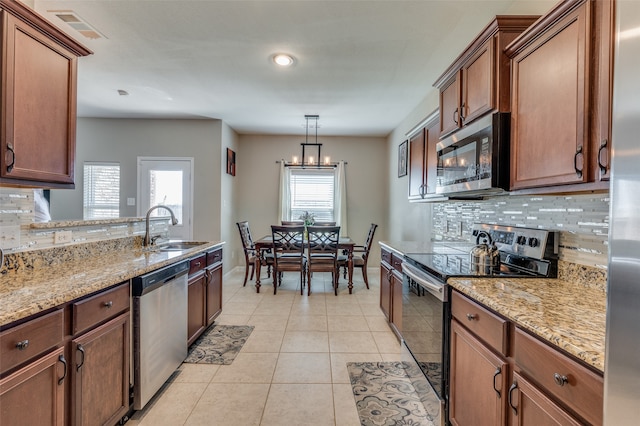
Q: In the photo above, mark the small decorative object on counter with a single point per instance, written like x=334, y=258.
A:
x=308, y=218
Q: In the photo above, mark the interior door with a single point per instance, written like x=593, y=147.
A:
x=167, y=181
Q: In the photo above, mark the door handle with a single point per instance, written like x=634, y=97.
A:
x=64, y=364
x=513, y=387
x=575, y=161
x=11, y=163
x=603, y=167
x=81, y=350
x=496, y=374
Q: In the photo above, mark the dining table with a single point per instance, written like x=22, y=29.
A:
x=344, y=243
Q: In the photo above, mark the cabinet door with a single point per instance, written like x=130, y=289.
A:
x=450, y=105
x=197, y=320
x=478, y=381
x=478, y=94
x=417, y=165
x=385, y=290
x=396, y=302
x=101, y=373
x=38, y=106
x=431, y=158
x=530, y=407
x=550, y=106
x=34, y=395
x=214, y=293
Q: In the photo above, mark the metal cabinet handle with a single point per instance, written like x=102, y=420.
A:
x=496, y=374
x=108, y=304
x=603, y=167
x=575, y=161
x=456, y=115
x=462, y=116
x=13, y=158
x=472, y=317
x=513, y=387
x=560, y=379
x=64, y=364
x=22, y=345
x=81, y=350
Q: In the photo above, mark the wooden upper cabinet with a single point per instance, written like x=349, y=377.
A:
x=561, y=99
x=478, y=81
x=423, y=162
x=38, y=100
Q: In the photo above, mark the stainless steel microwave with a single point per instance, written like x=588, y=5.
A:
x=475, y=160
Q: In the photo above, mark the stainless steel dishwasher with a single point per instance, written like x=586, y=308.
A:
x=159, y=329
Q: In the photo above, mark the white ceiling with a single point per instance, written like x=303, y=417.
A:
x=361, y=65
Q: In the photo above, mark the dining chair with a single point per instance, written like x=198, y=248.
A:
x=322, y=253
x=360, y=260
x=292, y=223
x=250, y=255
x=324, y=224
x=288, y=252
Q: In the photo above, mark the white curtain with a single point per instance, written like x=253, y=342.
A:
x=284, y=196
x=340, y=203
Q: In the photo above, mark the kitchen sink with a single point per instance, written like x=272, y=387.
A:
x=177, y=245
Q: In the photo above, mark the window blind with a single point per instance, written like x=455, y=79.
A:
x=101, y=192
x=312, y=190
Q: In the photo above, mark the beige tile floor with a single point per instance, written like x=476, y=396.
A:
x=292, y=369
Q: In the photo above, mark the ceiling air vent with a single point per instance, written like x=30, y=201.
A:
x=77, y=23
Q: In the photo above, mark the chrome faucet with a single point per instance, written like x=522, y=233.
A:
x=174, y=221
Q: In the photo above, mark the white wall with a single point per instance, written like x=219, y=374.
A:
x=366, y=175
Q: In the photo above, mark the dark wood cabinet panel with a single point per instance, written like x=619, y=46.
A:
x=197, y=314
x=478, y=81
x=214, y=293
x=423, y=161
x=385, y=290
x=100, y=371
x=561, y=100
x=34, y=395
x=38, y=100
x=550, y=106
x=531, y=407
x=478, y=381
x=391, y=289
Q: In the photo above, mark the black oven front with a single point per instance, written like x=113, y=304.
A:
x=425, y=334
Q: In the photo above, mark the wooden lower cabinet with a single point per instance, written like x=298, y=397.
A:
x=385, y=290
x=531, y=407
x=478, y=381
x=34, y=394
x=100, y=373
x=196, y=318
x=214, y=293
x=391, y=289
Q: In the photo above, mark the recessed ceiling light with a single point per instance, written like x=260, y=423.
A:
x=283, y=60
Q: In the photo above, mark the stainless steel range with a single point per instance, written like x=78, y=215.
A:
x=519, y=253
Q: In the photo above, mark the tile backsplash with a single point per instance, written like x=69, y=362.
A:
x=19, y=232
x=582, y=221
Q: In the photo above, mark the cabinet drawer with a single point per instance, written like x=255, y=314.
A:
x=98, y=308
x=385, y=256
x=576, y=386
x=483, y=323
x=21, y=343
x=197, y=263
x=396, y=262
x=214, y=257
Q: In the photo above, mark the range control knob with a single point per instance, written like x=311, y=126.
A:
x=533, y=242
x=522, y=240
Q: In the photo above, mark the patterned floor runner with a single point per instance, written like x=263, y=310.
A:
x=385, y=396
x=219, y=344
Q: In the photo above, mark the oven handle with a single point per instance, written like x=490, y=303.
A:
x=433, y=288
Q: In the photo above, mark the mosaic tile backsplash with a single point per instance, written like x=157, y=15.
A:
x=582, y=221
x=19, y=232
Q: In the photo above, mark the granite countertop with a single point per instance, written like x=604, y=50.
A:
x=28, y=291
x=568, y=313
x=569, y=316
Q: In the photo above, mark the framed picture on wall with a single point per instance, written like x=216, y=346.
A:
x=231, y=162
x=402, y=159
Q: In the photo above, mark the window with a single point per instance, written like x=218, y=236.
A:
x=101, y=198
x=312, y=190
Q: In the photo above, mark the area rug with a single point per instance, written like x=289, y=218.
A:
x=219, y=344
x=385, y=396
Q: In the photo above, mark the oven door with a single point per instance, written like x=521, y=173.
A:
x=425, y=334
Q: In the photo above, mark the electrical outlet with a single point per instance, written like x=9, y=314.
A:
x=61, y=237
x=131, y=201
